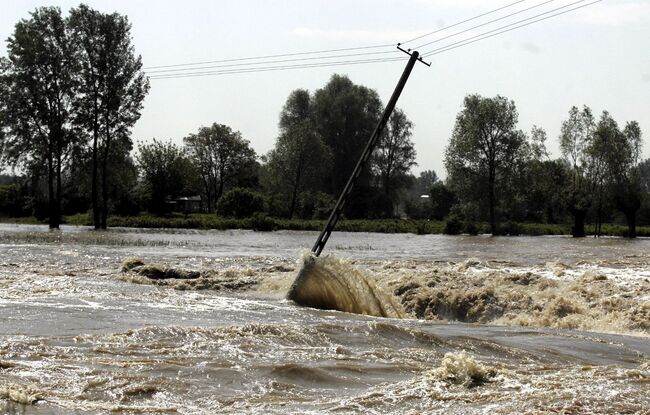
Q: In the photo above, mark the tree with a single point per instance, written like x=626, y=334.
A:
x=424, y=182
x=644, y=181
x=37, y=82
x=483, y=149
x=395, y=153
x=111, y=90
x=240, y=203
x=620, y=155
x=299, y=159
x=165, y=171
x=345, y=115
x=442, y=199
x=222, y=158
x=576, y=134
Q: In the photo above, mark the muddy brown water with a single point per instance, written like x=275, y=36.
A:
x=552, y=332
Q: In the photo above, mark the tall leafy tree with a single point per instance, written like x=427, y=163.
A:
x=37, y=81
x=85, y=25
x=300, y=157
x=484, y=150
x=345, y=115
x=620, y=155
x=222, y=157
x=575, y=137
x=395, y=153
x=111, y=90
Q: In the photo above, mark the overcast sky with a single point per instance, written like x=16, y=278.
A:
x=598, y=56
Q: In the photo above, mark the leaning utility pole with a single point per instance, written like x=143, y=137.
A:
x=363, y=160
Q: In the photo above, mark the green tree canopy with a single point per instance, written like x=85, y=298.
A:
x=37, y=81
x=576, y=134
x=110, y=91
x=618, y=155
x=484, y=150
x=300, y=158
x=395, y=153
x=222, y=158
x=165, y=172
x=345, y=115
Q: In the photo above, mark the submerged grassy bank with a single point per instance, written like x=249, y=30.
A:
x=261, y=222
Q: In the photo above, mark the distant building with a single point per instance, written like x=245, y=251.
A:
x=186, y=204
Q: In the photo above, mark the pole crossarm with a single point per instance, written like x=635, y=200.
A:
x=408, y=52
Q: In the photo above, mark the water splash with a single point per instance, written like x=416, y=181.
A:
x=330, y=283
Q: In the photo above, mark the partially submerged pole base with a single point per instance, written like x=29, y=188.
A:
x=329, y=283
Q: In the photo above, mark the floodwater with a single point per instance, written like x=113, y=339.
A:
x=492, y=325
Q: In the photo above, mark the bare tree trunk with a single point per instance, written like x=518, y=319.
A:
x=599, y=216
x=294, y=194
x=53, y=216
x=491, y=201
x=95, y=202
x=578, y=229
x=630, y=216
x=105, y=189
x=218, y=193
x=57, y=198
x=107, y=147
x=208, y=193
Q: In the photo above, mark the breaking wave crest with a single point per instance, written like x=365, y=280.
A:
x=331, y=283
x=591, y=299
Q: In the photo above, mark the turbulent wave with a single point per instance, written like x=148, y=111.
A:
x=330, y=283
x=553, y=295
x=137, y=271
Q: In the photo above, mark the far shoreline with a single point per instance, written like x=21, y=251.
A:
x=260, y=222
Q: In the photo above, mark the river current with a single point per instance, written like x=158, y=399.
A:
x=492, y=325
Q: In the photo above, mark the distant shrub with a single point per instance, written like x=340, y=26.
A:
x=240, y=203
x=453, y=225
x=314, y=205
x=510, y=228
x=261, y=222
x=470, y=228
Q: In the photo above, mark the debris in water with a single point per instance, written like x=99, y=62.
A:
x=162, y=272
x=330, y=283
x=131, y=263
x=137, y=271
x=26, y=395
x=462, y=369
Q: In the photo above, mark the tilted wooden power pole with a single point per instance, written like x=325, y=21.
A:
x=367, y=151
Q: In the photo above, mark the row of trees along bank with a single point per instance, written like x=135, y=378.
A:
x=497, y=169
x=320, y=136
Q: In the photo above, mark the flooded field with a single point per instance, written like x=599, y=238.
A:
x=199, y=324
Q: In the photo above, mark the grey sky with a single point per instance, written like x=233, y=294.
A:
x=598, y=56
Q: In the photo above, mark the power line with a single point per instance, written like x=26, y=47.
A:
x=274, y=68
x=464, y=21
x=294, y=54
x=484, y=24
x=492, y=33
x=252, y=68
x=194, y=68
x=162, y=71
x=271, y=56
